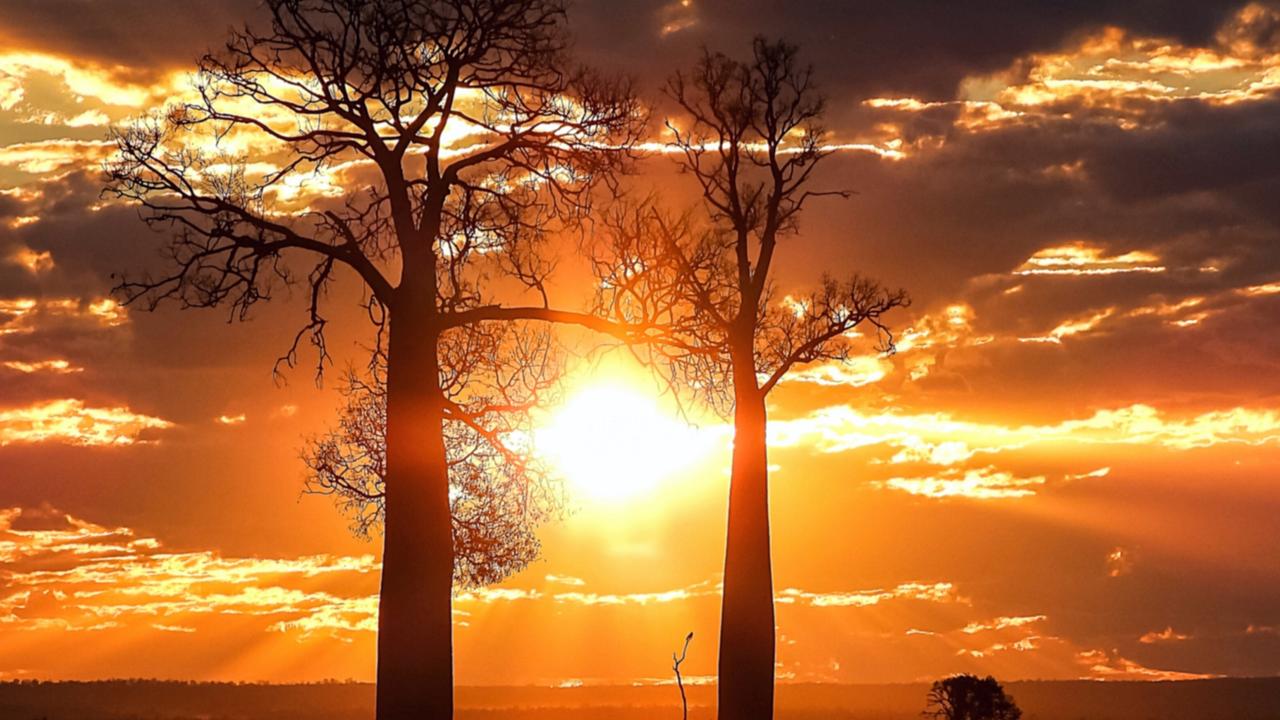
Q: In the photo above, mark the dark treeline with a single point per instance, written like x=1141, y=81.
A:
x=1237, y=699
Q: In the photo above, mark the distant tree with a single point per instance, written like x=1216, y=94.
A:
x=751, y=136
x=436, y=145
x=968, y=697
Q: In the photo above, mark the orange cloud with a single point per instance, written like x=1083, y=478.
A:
x=1163, y=636
x=943, y=439
x=26, y=315
x=565, y=580
x=34, y=262
x=47, y=156
x=1002, y=623
x=77, y=575
x=1026, y=644
x=854, y=372
x=676, y=16
x=77, y=78
x=1068, y=328
x=1261, y=290
x=982, y=484
x=1110, y=666
x=70, y=421
x=941, y=592
x=1119, y=562
x=1080, y=258
x=51, y=366
x=1117, y=77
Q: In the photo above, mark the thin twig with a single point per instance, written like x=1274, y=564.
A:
x=675, y=665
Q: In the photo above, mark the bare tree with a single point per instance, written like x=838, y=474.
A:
x=751, y=137
x=968, y=697
x=499, y=492
x=430, y=148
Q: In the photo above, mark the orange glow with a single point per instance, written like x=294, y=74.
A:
x=1080, y=410
x=51, y=366
x=72, y=422
x=614, y=443
x=1084, y=259
x=34, y=262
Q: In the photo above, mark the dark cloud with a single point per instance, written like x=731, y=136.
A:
x=922, y=47
x=918, y=47
x=135, y=38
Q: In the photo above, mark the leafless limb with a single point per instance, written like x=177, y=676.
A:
x=675, y=665
x=751, y=138
x=499, y=493
x=429, y=149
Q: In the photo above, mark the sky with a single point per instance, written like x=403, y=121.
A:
x=1067, y=470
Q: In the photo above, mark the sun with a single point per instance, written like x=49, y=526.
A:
x=611, y=442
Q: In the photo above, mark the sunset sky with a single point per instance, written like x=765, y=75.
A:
x=1069, y=469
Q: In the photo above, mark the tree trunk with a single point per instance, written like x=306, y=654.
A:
x=746, y=616
x=415, y=623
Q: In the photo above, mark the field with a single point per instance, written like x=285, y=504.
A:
x=1236, y=699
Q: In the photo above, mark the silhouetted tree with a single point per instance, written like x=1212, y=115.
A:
x=498, y=490
x=430, y=147
x=968, y=697
x=751, y=138
x=676, y=662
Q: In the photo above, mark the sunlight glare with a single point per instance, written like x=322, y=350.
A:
x=612, y=443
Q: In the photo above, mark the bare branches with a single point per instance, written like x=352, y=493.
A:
x=819, y=326
x=751, y=137
x=438, y=140
x=752, y=142
x=431, y=147
x=499, y=491
x=665, y=273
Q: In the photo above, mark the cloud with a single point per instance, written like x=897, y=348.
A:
x=1074, y=326
x=676, y=16
x=1111, y=666
x=1026, y=644
x=909, y=46
x=565, y=580
x=855, y=372
x=1002, y=623
x=981, y=484
x=1164, y=636
x=50, y=156
x=71, y=421
x=60, y=367
x=841, y=428
x=1261, y=290
x=135, y=41
x=1110, y=75
x=81, y=79
x=32, y=261
x=26, y=315
x=1099, y=473
x=70, y=574
x=949, y=452
x=940, y=592
x=1119, y=562
x=1080, y=258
